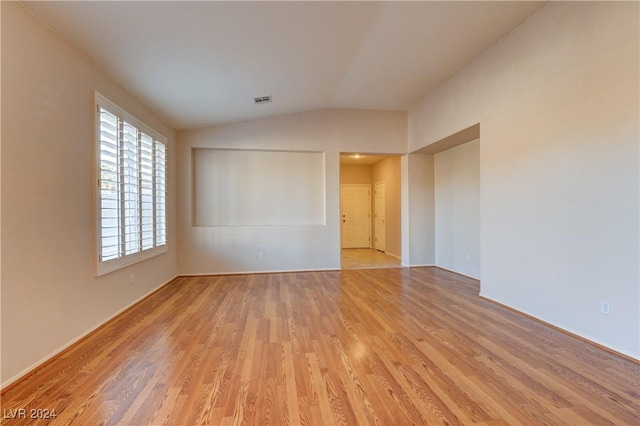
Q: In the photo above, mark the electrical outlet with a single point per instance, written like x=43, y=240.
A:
x=261, y=255
x=133, y=278
x=605, y=307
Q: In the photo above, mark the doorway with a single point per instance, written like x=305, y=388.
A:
x=381, y=173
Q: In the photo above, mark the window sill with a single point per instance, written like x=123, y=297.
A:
x=103, y=268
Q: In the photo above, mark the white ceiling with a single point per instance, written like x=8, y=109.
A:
x=201, y=63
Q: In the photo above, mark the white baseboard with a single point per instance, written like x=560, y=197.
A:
x=56, y=352
x=457, y=272
x=567, y=331
x=279, y=271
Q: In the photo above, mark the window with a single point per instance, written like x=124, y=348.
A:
x=131, y=196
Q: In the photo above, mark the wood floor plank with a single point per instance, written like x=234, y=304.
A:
x=381, y=346
x=292, y=414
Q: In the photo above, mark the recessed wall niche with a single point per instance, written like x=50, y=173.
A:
x=258, y=188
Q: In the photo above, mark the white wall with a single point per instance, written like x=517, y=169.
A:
x=457, y=208
x=209, y=250
x=558, y=105
x=50, y=296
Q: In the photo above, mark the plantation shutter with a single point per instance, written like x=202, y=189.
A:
x=109, y=186
x=160, y=193
x=146, y=190
x=132, y=190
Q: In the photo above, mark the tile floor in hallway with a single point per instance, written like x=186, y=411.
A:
x=365, y=258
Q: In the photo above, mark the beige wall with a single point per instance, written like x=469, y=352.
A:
x=388, y=170
x=418, y=213
x=205, y=250
x=355, y=174
x=559, y=111
x=457, y=208
x=50, y=296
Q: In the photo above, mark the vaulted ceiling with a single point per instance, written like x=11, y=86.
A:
x=200, y=63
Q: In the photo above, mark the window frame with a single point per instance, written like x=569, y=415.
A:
x=125, y=260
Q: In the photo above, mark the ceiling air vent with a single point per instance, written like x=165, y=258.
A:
x=262, y=100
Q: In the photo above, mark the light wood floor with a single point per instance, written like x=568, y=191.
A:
x=385, y=346
x=365, y=258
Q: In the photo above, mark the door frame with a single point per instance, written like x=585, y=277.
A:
x=375, y=215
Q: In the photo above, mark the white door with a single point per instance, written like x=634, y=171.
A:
x=356, y=216
x=379, y=212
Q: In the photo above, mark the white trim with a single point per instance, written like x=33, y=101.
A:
x=456, y=272
x=565, y=329
x=56, y=352
x=430, y=265
x=373, y=201
x=103, y=268
x=280, y=271
x=370, y=267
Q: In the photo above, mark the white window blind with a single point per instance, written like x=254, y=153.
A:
x=131, y=194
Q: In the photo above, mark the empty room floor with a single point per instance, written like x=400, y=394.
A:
x=381, y=346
